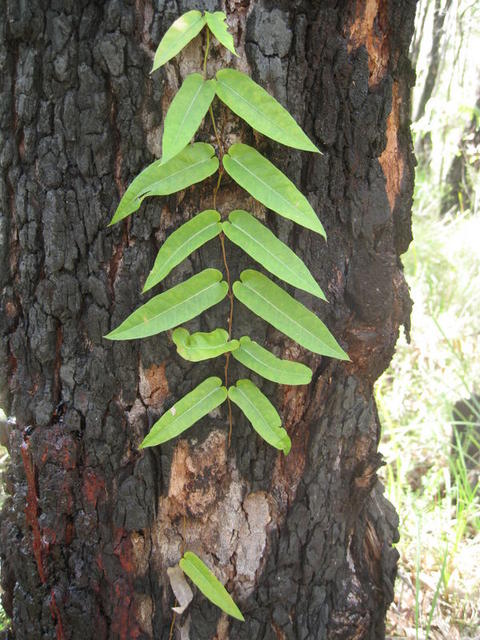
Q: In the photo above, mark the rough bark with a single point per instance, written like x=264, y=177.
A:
x=303, y=543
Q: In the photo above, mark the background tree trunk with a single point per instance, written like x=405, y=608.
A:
x=459, y=192
x=305, y=542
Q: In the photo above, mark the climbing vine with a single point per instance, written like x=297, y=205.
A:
x=183, y=164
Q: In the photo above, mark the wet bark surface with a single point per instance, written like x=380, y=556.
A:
x=304, y=543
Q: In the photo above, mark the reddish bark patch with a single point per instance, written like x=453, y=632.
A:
x=124, y=618
x=392, y=159
x=56, y=616
x=93, y=486
x=124, y=551
x=124, y=625
x=31, y=508
x=369, y=28
x=153, y=384
x=10, y=309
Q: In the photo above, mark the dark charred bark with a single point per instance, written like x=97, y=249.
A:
x=305, y=543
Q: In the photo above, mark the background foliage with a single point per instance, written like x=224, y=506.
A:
x=430, y=475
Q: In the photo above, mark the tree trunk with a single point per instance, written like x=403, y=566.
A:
x=304, y=543
x=439, y=15
x=459, y=190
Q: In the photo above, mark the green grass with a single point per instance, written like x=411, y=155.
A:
x=427, y=476
x=4, y=621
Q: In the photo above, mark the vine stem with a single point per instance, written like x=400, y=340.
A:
x=182, y=552
x=225, y=263
x=170, y=635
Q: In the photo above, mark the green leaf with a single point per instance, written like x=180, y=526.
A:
x=261, y=413
x=264, y=247
x=182, y=242
x=219, y=28
x=263, y=362
x=195, y=163
x=262, y=112
x=186, y=113
x=270, y=186
x=195, y=405
x=209, y=585
x=202, y=346
x=177, y=36
x=286, y=314
x=169, y=309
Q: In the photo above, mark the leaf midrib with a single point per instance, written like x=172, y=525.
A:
x=255, y=176
x=274, y=258
x=176, y=418
x=172, y=175
x=221, y=345
x=181, y=38
x=175, y=252
x=187, y=112
x=268, y=366
x=257, y=412
x=202, y=292
x=289, y=318
x=258, y=111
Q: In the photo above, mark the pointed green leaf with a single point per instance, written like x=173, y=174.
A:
x=195, y=163
x=182, y=242
x=261, y=413
x=184, y=413
x=169, y=309
x=186, y=113
x=177, y=36
x=273, y=254
x=263, y=362
x=202, y=346
x=217, y=25
x=209, y=585
x=269, y=185
x=262, y=112
x=276, y=306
